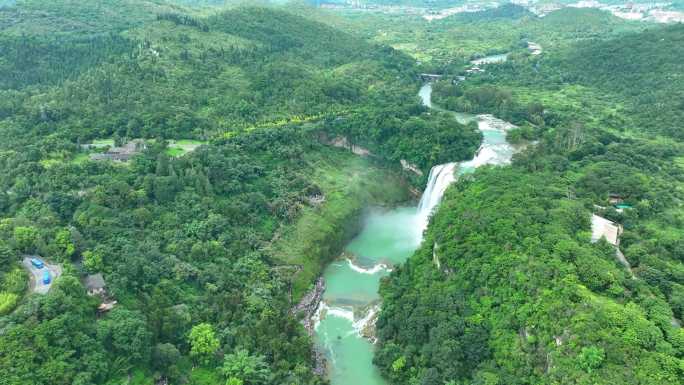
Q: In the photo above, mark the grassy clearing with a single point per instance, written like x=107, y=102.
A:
x=350, y=184
x=47, y=163
x=103, y=142
x=176, y=148
x=80, y=158
x=188, y=142
x=175, y=151
x=180, y=147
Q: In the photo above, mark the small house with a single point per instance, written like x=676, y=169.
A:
x=95, y=284
x=123, y=153
x=604, y=228
x=615, y=199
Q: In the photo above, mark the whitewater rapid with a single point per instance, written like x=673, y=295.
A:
x=380, y=267
x=350, y=305
x=494, y=150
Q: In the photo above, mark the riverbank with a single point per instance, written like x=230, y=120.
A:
x=350, y=304
x=322, y=230
x=349, y=185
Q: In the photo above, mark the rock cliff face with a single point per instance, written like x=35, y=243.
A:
x=343, y=142
x=307, y=307
x=410, y=167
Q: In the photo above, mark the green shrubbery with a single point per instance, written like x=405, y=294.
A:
x=8, y=301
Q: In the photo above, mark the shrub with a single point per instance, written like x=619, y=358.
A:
x=8, y=301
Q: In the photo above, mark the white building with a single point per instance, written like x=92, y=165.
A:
x=604, y=228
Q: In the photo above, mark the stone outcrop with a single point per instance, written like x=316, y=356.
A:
x=410, y=167
x=342, y=142
x=308, y=307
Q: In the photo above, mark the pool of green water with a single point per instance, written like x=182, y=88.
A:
x=388, y=238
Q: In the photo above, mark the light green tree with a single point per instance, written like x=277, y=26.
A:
x=7, y=302
x=399, y=364
x=14, y=281
x=64, y=244
x=25, y=238
x=92, y=261
x=251, y=369
x=591, y=358
x=203, y=342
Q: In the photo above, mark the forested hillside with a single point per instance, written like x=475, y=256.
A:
x=445, y=45
x=207, y=162
x=506, y=11
x=507, y=288
x=193, y=232
x=638, y=75
x=644, y=69
x=177, y=76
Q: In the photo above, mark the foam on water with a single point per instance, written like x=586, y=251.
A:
x=380, y=267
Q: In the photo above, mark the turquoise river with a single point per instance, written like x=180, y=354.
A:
x=350, y=303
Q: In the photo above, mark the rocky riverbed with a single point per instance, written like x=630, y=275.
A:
x=307, y=308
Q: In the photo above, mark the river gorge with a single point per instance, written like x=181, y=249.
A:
x=350, y=304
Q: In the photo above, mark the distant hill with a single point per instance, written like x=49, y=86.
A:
x=262, y=64
x=506, y=11
x=418, y=3
x=85, y=18
x=581, y=18
x=645, y=69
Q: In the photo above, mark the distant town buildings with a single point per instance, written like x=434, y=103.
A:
x=655, y=12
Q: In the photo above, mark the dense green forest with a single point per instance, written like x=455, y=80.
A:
x=205, y=251
x=520, y=295
x=177, y=76
x=645, y=94
x=216, y=225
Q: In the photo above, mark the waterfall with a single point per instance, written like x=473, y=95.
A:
x=441, y=176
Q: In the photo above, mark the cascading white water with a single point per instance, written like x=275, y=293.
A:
x=441, y=176
x=387, y=239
